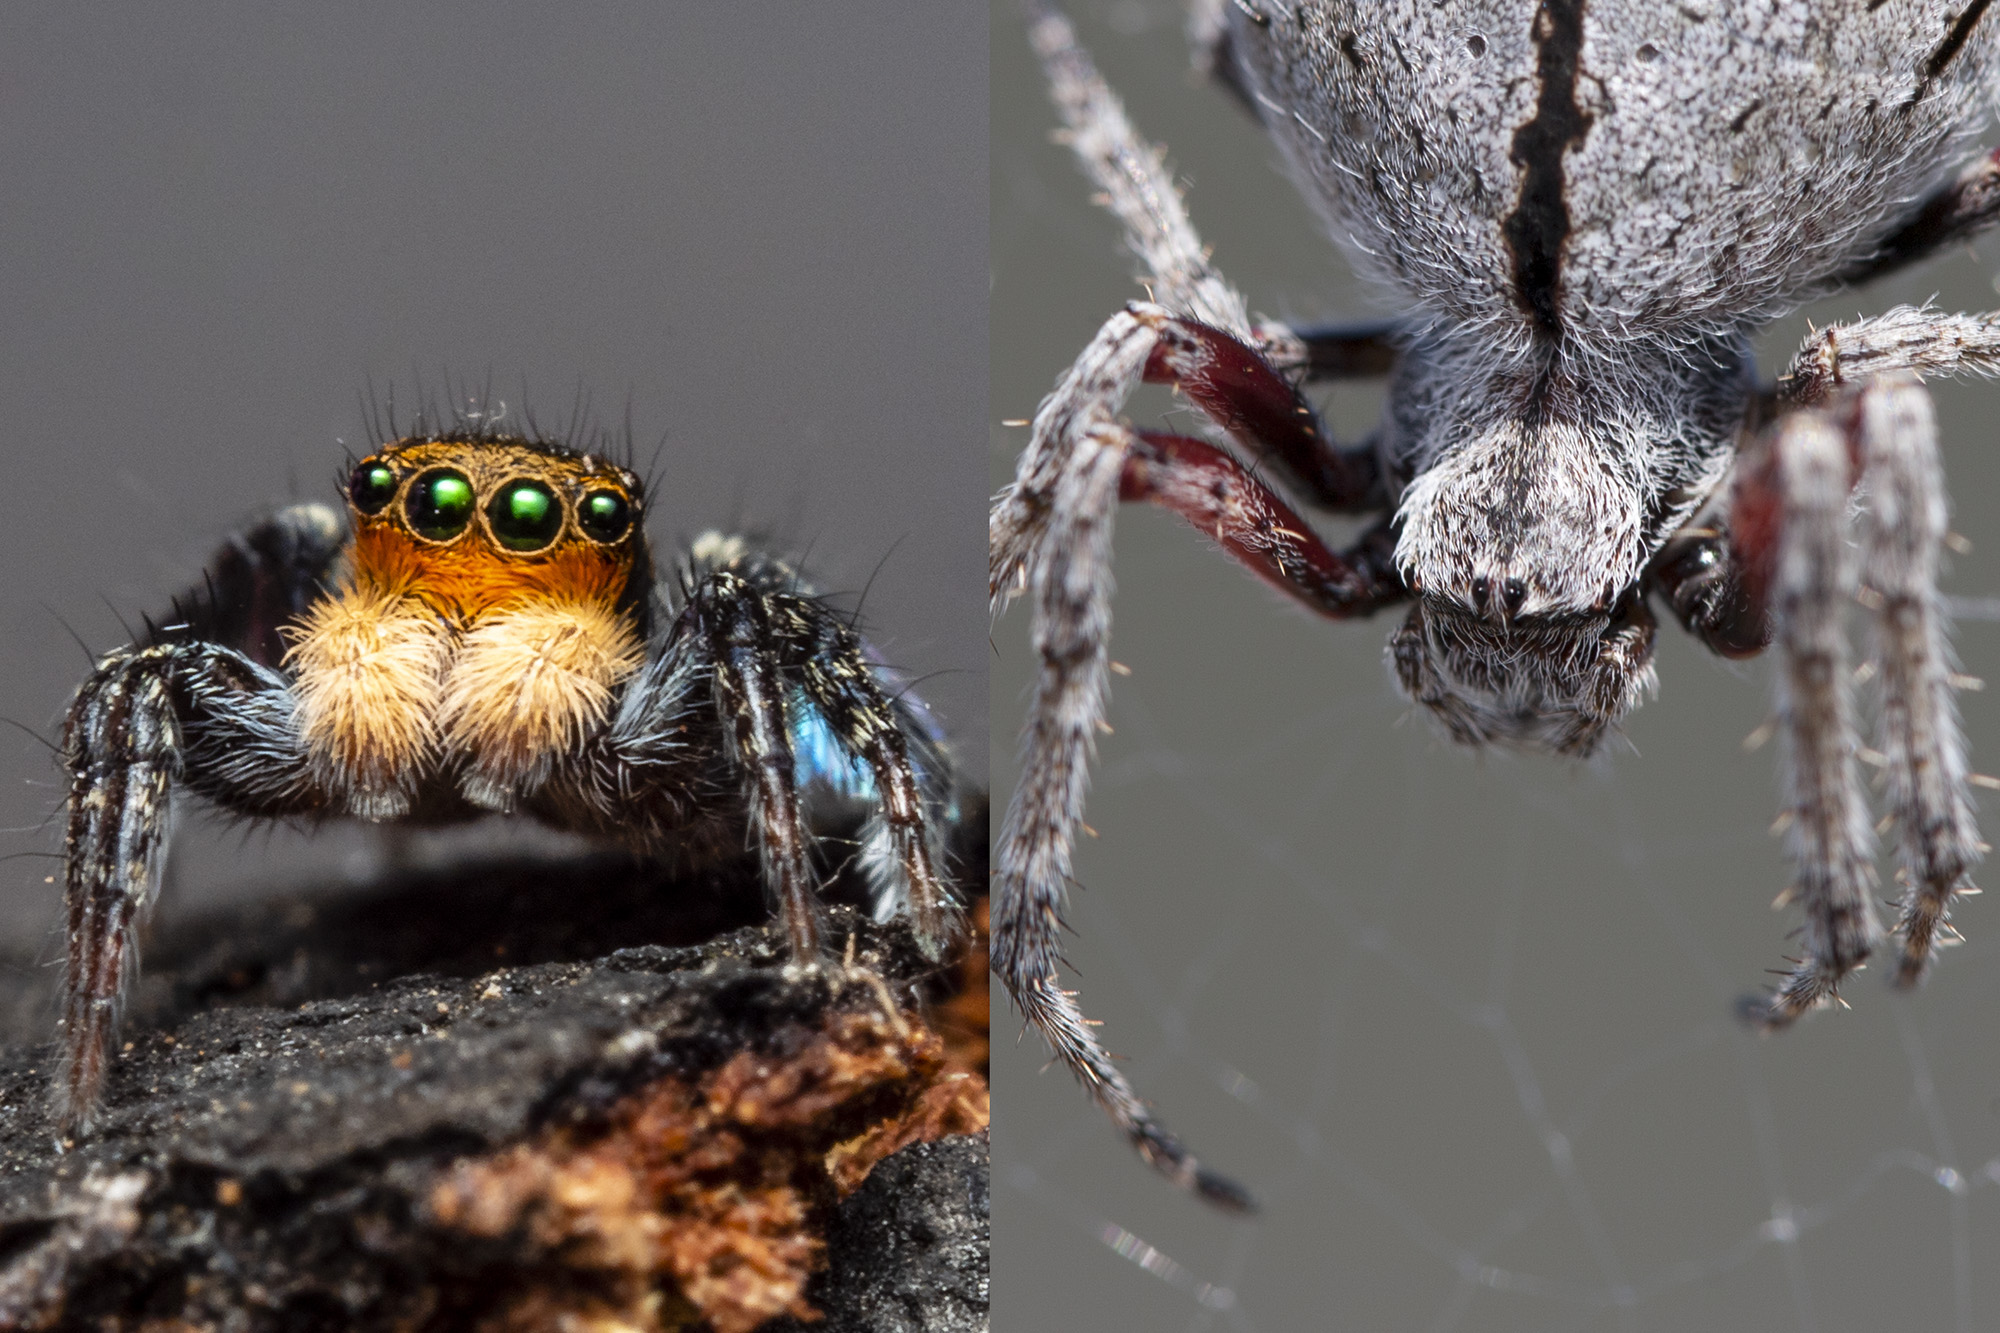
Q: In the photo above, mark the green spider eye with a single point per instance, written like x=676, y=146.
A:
x=604, y=516
x=371, y=487
x=439, y=504
x=524, y=515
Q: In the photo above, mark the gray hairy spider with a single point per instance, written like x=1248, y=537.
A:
x=481, y=631
x=1584, y=209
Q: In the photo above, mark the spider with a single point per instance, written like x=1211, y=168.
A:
x=1584, y=211
x=482, y=631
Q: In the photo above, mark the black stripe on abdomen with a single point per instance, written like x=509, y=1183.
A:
x=1539, y=225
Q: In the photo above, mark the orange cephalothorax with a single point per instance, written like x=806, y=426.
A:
x=465, y=525
x=490, y=610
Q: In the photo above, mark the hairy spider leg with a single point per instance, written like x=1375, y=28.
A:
x=1050, y=537
x=194, y=705
x=1813, y=580
x=1913, y=339
x=901, y=846
x=1253, y=525
x=1851, y=411
x=763, y=637
x=1894, y=457
x=1903, y=530
x=1790, y=573
x=739, y=631
x=1959, y=211
x=1263, y=411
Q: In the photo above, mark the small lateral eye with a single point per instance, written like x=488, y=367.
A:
x=439, y=504
x=372, y=486
x=524, y=515
x=604, y=516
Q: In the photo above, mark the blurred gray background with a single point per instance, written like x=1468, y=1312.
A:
x=1462, y=1021
x=759, y=227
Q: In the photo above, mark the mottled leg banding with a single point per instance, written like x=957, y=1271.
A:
x=771, y=640
x=1071, y=589
x=1827, y=831
x=1087, y=399
x=1136, y=185
x=1907, y=339
x=1903, y=526
x=1050, y=539
x=840, y=683
x=121, y=746
x=1885, y=432
x=750, y=692
x=198, y=694
x=127, y=734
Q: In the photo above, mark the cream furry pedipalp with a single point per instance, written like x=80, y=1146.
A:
x=386, y=686
x=525, y=682
x=370, y=675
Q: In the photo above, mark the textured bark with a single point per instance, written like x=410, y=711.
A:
x=663, y=1136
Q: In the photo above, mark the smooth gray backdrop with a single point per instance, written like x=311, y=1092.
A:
x=1463, y=1022
x=759, y=227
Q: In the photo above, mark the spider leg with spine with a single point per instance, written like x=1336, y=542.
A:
x=199, y=702
x=750, y=648
x=1790, y=572
x=1050, y=537
x=1955, y=213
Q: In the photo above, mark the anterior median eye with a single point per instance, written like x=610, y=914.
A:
x=604, y=516
x=525, y=515
x=372, y=486
x=439, y=504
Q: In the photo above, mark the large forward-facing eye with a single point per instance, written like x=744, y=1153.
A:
x=524, y=515
x=372, y=486
x=604, y=516
x=439, y=504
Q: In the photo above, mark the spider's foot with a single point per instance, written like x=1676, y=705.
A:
x=1760, y=1012
x=1166, y=1154
x=1925, y=928
x=1812, y=984
x=1224, y=1193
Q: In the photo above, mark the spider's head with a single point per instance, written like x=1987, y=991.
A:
x=1518, y=541
x=1555, y=683
x=495, y=598
x=466, y=524
x=1534, y=506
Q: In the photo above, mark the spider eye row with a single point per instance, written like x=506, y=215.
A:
x=523, y=514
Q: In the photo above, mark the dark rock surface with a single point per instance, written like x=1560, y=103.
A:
x=908, y=1252
x=299, y=1079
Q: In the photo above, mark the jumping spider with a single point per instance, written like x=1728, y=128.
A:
x=1584, y=211
x=482, y=631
